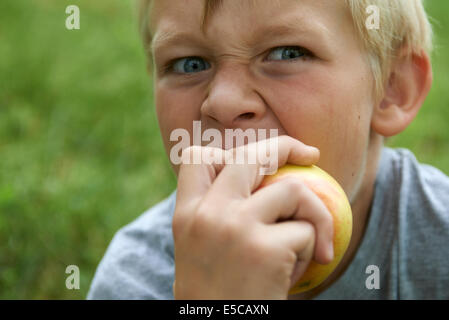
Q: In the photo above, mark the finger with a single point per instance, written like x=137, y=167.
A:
x=298, y=236
x=239, y=180
x=197, y=173
x=289, y=199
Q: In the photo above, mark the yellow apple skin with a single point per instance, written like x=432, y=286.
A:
x=333, y=196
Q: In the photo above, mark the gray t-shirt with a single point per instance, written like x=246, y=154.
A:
x=404, y=253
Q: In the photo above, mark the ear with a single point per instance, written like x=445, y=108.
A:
x=408, y=85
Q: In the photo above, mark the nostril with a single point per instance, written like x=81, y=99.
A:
x=246, y=116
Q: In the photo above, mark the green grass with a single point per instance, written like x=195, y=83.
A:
x=80, y=151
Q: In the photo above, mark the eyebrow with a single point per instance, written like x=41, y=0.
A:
x=168, y=38
x=299, y=25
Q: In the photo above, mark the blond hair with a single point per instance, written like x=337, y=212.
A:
x=403, y=24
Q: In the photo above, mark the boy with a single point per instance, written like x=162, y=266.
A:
x=312, y=70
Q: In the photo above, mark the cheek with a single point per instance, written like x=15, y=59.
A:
x=309, y=105
x=348, y=133
x=347, y=140
x=175, y=109
x=332, y=112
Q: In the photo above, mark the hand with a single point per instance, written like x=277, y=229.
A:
x=234, y=243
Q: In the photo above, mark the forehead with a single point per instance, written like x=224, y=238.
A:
x=241, y=17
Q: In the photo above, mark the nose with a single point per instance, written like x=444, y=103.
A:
x=232, y=100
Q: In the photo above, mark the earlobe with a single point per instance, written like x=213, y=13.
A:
x=408, y=85
x=391, y=120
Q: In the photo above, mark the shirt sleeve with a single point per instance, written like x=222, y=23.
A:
x=139, y=262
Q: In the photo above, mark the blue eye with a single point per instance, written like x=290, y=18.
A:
x=190, y=65
x=287, y=53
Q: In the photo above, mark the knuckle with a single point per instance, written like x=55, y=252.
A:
x=203, y=209
x=309, y=231
x=189, y=153
x=202, y=220
x=294, y=186
x=178, y=224
x=257, y=247
x=256, y=251
x=230, y=229
x=286, y=139
x=223, y=226
x=290, y=257
x=244, y=211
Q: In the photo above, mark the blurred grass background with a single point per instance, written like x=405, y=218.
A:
x=80, y=151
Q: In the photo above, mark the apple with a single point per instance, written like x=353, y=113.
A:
x=333, y=196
